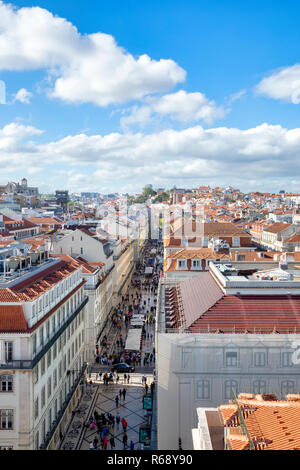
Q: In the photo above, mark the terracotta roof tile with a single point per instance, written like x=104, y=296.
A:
x=12, y=319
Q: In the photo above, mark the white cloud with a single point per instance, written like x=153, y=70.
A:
x=219, y=155
x=282, y=85
x=85, y=68
x=180, y=106
x=236, y=96
x=23, y=96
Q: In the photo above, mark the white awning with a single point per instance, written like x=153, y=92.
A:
x=148, y=270
x=133, y=341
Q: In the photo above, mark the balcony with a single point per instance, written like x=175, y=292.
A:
x=61, y=412
x=13, y=365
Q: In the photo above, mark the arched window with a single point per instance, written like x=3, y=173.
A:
x=287, y=386
x=230, y=386
x=259, y=386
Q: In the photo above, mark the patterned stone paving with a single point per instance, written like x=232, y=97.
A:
x=131, y=409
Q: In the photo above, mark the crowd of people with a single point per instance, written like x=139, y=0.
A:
x=107, y=425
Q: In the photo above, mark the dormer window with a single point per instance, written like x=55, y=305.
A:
x=196, y=264
x=236, y=241
x=181, y=264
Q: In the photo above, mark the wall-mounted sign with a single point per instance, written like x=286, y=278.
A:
x=147, y=402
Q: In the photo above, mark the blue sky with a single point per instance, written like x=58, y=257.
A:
x=222, y=108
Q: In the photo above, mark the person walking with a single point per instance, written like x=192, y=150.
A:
x=105, y=442
x=128, y=378
x=124, y=424
x=131, y=445
x=112, y=442
x=117, y=401
x=118, y=419
x=95, y=443
x=124, y=394
x=120, y=393
x=146, y=387
x=125, y=439
x=125, y=378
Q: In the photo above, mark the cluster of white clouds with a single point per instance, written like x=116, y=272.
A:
x=84, y=68
x=283, y=84
x=164, y=157
x=23, y=96
x=92, y=68
x=180, y=106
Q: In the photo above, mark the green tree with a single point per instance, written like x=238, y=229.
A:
x=148, y=192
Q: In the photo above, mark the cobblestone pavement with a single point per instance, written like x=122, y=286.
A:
x=101, y=397
x=131, y=409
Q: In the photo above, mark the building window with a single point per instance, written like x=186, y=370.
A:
x=286, y=359
x=6, y=383
x=259, y=386
x=36, y=408
x=34, y=344
x=42, y=336
x=55, y=379
x=50, y=417
x=43, y=397
x=49, y=387
x=53, y=323
x=231, y=359
x=35, y=374
x=181, y=264
x=43, y=365
x=236, y=241
x=203, y=389
x=44, y=430
x=47, y=330
x=6, y=419
x=259, y=359
x=54, y=351
x=231, y=387
x=8, y=351
x=196, y=264
x=287, y=386
x=205, y=241
x=37, y=441
x=49, y=358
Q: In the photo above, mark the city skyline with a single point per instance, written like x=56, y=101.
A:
x=96, y=100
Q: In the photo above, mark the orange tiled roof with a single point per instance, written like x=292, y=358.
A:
x=272, y=424
x=36, y=285
x=12, y=319
x=277, y=227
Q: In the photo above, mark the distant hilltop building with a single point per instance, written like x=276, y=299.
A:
x=21, y=193
x=17, y=188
